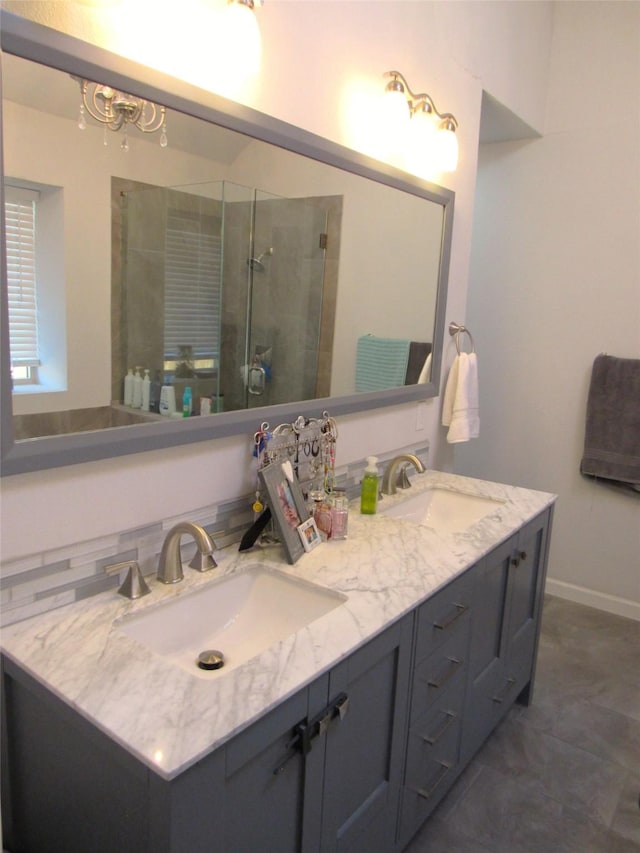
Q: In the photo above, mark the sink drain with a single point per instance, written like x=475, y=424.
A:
x=210, y=659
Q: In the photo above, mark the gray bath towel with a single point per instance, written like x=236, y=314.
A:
x=418, y=352
x=612, y=435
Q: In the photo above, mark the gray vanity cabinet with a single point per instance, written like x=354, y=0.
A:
x=508, y=590
x=353, y=762
x=321, y=772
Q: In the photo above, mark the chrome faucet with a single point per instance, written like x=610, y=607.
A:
x=170, y=565
x=394, y=478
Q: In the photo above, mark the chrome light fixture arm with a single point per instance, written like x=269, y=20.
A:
x=441, y=147
x=419, y=101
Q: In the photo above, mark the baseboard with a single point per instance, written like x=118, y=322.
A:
x=599, y=600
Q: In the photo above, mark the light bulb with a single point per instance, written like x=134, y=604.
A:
x=395, y=107
x=241, y=38
x=446, y=148
x=421, y=143
x=392, y=123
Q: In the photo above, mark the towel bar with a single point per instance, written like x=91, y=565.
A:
x=457, y=329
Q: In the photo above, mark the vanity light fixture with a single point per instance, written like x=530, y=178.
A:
x=118, y=110
x=433, y=133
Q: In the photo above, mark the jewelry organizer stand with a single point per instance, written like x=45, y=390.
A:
x=309, y=444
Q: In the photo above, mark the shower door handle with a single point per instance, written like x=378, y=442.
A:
x=257, y=380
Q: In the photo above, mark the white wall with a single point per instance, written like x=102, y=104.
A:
x=555, y=280
x=317, y=57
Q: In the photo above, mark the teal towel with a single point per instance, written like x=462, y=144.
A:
x=381, y=363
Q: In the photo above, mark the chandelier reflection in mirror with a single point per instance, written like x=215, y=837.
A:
x=432, y=134
x=117, y=111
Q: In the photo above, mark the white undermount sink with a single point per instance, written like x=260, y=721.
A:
x=239, y=615
x=444, y=510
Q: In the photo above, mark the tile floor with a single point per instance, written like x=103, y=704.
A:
x=562, y=776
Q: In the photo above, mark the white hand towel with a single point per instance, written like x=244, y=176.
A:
x=425, y=373
x=450, y=392
x=460, y=406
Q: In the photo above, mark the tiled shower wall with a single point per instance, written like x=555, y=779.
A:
x=51, y=579
x=297, y=281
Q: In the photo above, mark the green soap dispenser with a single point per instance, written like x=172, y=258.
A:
x=369, y=488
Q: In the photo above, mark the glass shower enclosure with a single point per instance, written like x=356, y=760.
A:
x=221, y=289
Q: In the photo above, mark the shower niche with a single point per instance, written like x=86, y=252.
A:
x=225, y=288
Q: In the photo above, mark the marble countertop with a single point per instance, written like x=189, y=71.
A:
x=169, y=718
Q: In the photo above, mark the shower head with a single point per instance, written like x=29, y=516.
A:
x=256, y=263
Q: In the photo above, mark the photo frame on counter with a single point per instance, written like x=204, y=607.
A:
x=287, y=505
x=309, y=534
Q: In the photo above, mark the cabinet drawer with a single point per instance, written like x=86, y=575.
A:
x=443, y=615
x=441, y=672
x=433, y=744
x=432, y=759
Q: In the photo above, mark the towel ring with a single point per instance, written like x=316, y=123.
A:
x=457, y=329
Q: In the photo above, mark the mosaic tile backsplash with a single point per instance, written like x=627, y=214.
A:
x=45, y=581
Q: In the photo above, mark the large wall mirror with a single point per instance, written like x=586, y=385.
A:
x=270, y=271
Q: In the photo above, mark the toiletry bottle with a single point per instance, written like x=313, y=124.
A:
x=167, y=400
x=137, y=389
x=154, y=393
x=322, y=517
x=186, y=402
x=339, y=514
x=146, y=392
x=369, y=488
x=128, y=388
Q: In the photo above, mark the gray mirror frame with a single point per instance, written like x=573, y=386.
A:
x=32, y=41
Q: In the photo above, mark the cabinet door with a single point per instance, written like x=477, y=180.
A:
x=506, y=622
x=269, y=783
x=66, y=787
x=363, y=762
x=526, y=588
x=487, y=655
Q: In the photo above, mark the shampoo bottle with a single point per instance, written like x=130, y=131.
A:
x=128, y=387
x=154, y=393
x=369, y=488
x=167, y=400
x=186, y=402
x=137, y=389
x=146, y=392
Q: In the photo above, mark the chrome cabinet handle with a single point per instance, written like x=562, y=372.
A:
x=434, y=738
x=456, y=663
x=427, y=793
x=460, y=610
x=500, y=697
x=305, y=732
